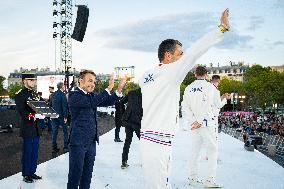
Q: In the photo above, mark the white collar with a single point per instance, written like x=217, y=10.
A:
x=83, y=90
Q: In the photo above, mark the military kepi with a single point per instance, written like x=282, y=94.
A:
x=28, y=76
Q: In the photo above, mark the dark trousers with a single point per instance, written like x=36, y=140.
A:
x=49, y=125
x=128, y=139
x=117, y=130
x=56, y=123
x=29, y=155
x=81, y=162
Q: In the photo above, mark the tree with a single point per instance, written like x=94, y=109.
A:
x=2, y=90
x=231, y=86
x=263, y=86
x=13, y=89
x=129, y=87
x=189, y=78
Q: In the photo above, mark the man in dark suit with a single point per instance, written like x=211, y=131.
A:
x=119, y=110
x=131, y=120
x=59, y=104
x=83, y=105
x=29, y=129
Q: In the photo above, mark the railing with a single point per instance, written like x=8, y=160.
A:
x=269, y=141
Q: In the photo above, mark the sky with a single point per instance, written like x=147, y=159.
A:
x=128, y=33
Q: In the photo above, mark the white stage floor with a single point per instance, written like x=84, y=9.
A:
x=238, y=169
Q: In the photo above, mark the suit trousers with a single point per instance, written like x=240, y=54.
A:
x=29, y=155
x=128, y=139
x=81, y=162
x=56, y=123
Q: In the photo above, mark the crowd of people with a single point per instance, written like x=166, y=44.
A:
x=270, y=123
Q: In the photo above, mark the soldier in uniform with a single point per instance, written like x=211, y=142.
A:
x=29, y=130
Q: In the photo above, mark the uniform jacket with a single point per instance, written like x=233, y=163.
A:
x=83, y=110
x=29, y=127
x=134, y=112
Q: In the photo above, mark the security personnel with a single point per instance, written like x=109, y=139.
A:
x=83, y=105
x=131, y=120
x=29, y=130
x=119, y=110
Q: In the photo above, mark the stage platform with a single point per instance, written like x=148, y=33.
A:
x=237, y=169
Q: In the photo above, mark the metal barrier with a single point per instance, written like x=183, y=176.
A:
x=270, y=142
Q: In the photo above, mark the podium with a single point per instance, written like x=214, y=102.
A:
x=41, y=107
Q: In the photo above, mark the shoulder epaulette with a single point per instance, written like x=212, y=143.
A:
x=18, y=91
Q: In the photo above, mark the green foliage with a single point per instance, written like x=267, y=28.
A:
x=231, y=86
x=2, y=90
x=263, y=86
x=189, y=78
x=102, y=85
x=129, y=87
x=13, y=89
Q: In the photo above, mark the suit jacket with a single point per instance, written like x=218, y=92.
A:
x=29, y=127
x=133, y=114
x=59, y=104
x=119, y=110
x=83, y=111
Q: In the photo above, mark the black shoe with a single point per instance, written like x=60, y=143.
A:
x=36, y=177
x=117, y=140
x=124, y=165
x=65, y=150
x=28, y=179
x=55, y=150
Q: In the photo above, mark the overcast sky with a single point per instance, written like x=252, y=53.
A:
x=127, y=32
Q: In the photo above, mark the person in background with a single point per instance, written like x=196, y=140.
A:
x=131, y=120
x=119, y=110
x=59, y=104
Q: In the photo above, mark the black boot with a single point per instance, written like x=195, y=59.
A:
x=36, y=177
x=117, y=140
x=55, y=150
x=28, y=179
x=124, y=165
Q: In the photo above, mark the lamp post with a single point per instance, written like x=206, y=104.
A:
x=242, y=99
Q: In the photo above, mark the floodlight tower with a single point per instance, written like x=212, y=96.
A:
x=63, y=30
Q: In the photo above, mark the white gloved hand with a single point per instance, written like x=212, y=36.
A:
x=39, y=116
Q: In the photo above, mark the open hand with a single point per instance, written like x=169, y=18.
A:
x=121, y=84
x=111, y=82
x=195, y=125
x=225, y=19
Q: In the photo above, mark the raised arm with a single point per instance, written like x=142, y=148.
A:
x=186, y=63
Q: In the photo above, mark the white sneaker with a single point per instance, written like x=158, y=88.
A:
x=212, y=184
x=195, y=182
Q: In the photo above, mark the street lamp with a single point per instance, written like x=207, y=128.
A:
x=242, y=99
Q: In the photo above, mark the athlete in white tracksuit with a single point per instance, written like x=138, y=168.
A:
x=218, y=104
x=160, y=98
x=198, y=106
